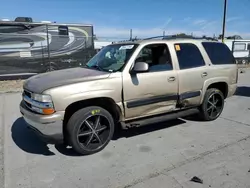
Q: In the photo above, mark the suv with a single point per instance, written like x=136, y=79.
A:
x=129, y=84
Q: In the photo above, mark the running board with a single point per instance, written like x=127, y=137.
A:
x=159, y=118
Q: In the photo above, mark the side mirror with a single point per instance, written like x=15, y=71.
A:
x=140, y=67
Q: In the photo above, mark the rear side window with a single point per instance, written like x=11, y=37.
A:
x=219, y=53
x=189, y=56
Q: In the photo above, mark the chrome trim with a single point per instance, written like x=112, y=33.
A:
x=37, y=104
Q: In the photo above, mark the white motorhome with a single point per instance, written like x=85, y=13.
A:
x=240, y=49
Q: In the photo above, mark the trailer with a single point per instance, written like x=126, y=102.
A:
x=240, y=49
x=28, y=48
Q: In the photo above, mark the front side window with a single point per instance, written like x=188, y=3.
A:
x=157, y=56
x=113, y=57
x=189, y=56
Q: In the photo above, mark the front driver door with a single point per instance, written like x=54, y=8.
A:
x=152, y=92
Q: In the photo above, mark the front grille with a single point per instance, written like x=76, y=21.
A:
x=33, y=105
x=27, y=93
x=28, y=105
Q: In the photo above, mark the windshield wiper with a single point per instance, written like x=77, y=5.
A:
x=96, y=67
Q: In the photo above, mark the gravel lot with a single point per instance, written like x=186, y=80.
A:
x=1, y=146
x=11, y=86
x=164, y=155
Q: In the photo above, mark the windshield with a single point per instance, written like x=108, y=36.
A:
x=112, y=58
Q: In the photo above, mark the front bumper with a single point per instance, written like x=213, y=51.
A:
x=48, y=127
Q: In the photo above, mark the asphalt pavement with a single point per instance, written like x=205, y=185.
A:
x=164, y=155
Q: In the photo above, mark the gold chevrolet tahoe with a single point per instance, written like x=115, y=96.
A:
x=129, y=84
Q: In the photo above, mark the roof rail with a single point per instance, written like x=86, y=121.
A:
x=154, y=37
x=132, y=40
x=164, y=37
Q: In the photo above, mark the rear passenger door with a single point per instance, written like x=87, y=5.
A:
x=222, y=62
x=192, y=73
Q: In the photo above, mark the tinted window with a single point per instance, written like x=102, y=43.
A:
x=63, y=30
x=189, y=56
x=248, y=46
x=219, y=53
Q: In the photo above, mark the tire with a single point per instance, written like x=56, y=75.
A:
x=81, y=122
x=207, y=110
x=244, y=61
x=50, y=68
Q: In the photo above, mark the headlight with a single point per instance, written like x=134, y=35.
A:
x=39, y=103
x=41, y=98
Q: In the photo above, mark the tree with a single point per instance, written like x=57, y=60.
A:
x=231, y=37
x=234, y=37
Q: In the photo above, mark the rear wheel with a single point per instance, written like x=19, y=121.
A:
x=212, y=105
x=50, y=68
x=244, y=61
x=90, y=129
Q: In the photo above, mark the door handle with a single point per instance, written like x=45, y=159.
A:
x=204, y=74
x=171, y=79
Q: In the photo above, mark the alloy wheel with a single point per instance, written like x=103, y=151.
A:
x=94, y=132
x=214, y=105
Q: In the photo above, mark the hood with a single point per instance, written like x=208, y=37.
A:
x=44, y=81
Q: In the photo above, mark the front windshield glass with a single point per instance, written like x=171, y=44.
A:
x=112, y=58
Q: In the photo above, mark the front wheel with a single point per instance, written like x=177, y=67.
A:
x=212, y=105
x=90, y=129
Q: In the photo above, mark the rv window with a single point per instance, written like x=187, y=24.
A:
x=248, y=46
x=239, y=46
x=63, y=30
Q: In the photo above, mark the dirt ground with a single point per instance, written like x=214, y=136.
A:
x=11, y=86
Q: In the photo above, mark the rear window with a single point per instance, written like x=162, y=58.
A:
x=219, y=53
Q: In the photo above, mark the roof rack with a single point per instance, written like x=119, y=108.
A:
x=165, y=37
x=128, y=40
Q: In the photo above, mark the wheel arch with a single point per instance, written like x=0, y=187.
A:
x=221, y=84
x=104, y=102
